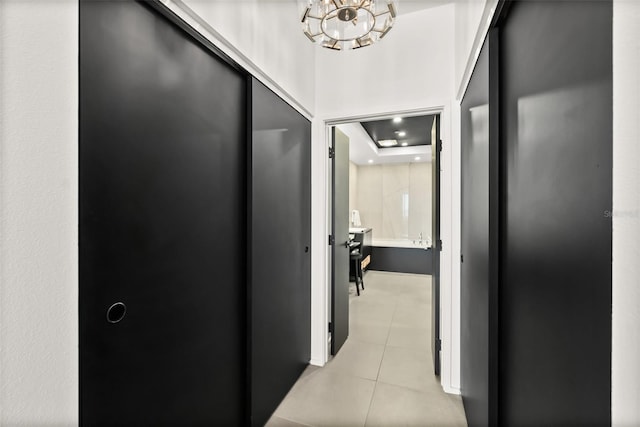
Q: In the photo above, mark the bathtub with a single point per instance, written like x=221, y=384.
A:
x=401, y=255
x=401, y=243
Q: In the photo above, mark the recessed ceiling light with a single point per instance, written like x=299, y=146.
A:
x=404, y=144
x=417, y=158
x=397, y=119
x=402, y=133
x=387, y=142
x=370, y=161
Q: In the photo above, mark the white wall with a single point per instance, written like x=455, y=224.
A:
x=379, y=198
x=411, y=70
x=626, y=214
x=264, y=37
x=353, y=187
x=472, y=19
x=39, y=199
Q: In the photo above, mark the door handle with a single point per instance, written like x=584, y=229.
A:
x=346, y=244
x=116, y=312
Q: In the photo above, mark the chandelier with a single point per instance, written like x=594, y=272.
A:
x=347, y=24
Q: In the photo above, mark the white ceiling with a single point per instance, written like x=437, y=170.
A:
x=362, y=149
x=408, y=6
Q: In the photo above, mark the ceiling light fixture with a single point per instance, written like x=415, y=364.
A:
x=347, y=24
x=404, y=144
x=370, y=161
x=387, y=142
x=417, y=158
x=402, y=133
x=397, y=119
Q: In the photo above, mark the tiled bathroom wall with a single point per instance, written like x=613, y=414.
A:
x=394, y=199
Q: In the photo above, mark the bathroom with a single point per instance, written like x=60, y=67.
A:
x=391, y=191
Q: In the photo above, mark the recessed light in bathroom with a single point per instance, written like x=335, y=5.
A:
x=370, y=161
x=417, y=158
x=397, y=119
x=402, y=133
x=404, y=144
x=387, y=142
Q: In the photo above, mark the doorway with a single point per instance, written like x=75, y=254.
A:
x=415, y=244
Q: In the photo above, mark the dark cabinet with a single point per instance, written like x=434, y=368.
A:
x=362, y=236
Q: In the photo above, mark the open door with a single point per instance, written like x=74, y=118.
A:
x=339, y=240
x=436, y=245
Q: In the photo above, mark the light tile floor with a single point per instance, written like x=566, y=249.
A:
x=383, y=375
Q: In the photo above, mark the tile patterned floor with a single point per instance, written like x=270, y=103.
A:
x=383, y=375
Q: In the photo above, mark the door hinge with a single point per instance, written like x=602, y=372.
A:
x=332, y=152
x=438, y=344
x=440, y=245
x=461, y=258
x=439, y=145
x=330, y=327
x=332, y=240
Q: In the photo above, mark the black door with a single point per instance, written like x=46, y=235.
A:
x=162, y=224
x=474, y=239
x=340, y=234
x=281, y=250
x=436, y=244
x=555, y=289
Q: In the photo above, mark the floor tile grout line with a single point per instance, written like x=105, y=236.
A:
x=375, y=385
x=292, y=421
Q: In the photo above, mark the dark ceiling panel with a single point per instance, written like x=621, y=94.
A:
x=418, y=130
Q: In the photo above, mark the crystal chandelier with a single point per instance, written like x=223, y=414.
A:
x=347, y=24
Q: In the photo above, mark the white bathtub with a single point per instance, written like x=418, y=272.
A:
x=400, y=243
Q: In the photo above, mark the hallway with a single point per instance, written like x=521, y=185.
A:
x=383, y=375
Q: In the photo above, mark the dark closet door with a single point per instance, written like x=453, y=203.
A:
x=280, y=343
x=340, y=250
x=474, y=261
x=436, y=244
x=555, y=306
x=162, y=224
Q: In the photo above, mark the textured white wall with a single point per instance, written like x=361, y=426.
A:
x=626, y=214
x=39, y=203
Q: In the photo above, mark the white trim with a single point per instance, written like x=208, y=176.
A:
x=449, y=363
x=190, y=17
x=478, y=41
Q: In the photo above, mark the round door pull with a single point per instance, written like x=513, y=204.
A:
x=116, y=312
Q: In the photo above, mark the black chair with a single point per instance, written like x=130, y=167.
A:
x=356, y=258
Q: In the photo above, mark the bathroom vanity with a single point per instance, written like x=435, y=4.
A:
x=362, y=235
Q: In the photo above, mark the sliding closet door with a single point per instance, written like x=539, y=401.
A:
x=474, y=261
x=555, y=306
x=280, y=346
x=162, y=224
